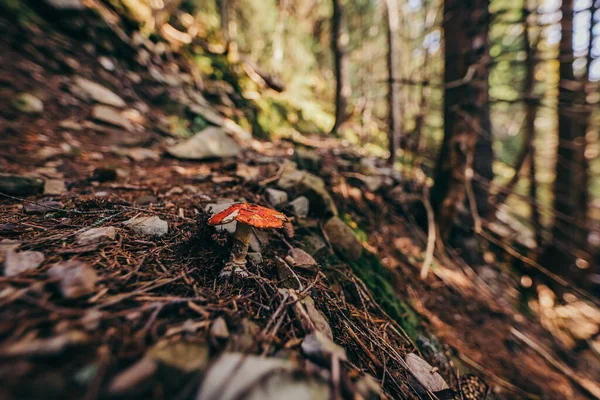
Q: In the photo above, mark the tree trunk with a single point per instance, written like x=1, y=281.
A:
x=571, y=181
x=341, y=65
x=394, y=107
x=467, y=143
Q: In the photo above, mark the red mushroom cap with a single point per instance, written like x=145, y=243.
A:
x=250, y=214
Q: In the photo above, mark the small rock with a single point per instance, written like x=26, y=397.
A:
x=184, y=356
x=425, y=373
x=300, y=206
x=308, y=159
x=132, y=377
x=111, y=116
x=140, y=154
x=242, y=376
x=314, y=245
x=298, y=258
x=319, y=348
x=96, y=235
x=342, y=238
x=42, y=207
x=106, y=63
x=148, y=225
x=174, y=190
x=218, y=329
x=47, y=153
x=210, y=143
x=28, y=103
x=309, y=185
x=317, y=317
x=255, y=257
x=24, y=261
x=287, y=278
x=54, y=187
x=276, y=197
x=17, y=185
x=69, y=124
x=99, y=93
x=77, y=279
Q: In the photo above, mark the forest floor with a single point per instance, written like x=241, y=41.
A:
x=138, y=310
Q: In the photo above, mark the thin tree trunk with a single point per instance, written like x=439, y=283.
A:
x=466, y=111
x=530, y=115
x=341, y=65
x=571, y=181
x=393, y=65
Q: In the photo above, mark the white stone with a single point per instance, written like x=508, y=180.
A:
x=148, y=225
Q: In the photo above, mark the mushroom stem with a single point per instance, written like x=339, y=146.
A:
x=237, y=260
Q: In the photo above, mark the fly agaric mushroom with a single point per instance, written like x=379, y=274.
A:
x=247, y=216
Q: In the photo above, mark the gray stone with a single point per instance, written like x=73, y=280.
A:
x=76, y=278
x=148, y=225
x=342, y=238
x=211, y=143
x=111, y=116
x=99, y=93
x=17, y=185
x=255, y=257
x=182, y=355
x=308, y=159
x=132, y=377
x=276, y=197
x=218, y=329
x=425, y=373
x=42, y=207
x=300, y=206
x=249, y=377
x=314, y=245
x=309, y=185
x=28, y=103
x=140, y=154
x=317, y=317
x=24, y=261
x=54, y=187
x=320, y=349
x=106, y=63
x=96, y=235
x=298, y=258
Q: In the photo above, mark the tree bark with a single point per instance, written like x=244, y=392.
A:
x=571, y=181
x=393, y=64
x=467, y=143
x=341, y=65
